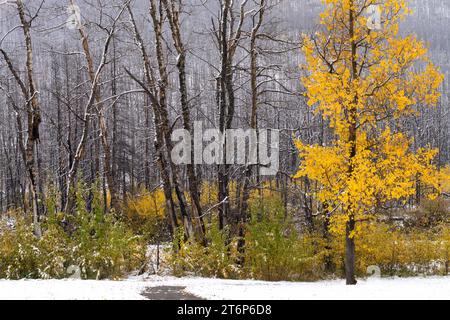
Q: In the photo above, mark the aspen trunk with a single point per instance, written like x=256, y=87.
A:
x=350, y=225
x=96, y=104
x=244, y=210
x=173, y=13
x=159, y=145
x=156, y=14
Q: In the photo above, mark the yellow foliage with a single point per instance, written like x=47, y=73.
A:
x=146, y=214
x=276, y=251
x=151, y=205
x=445, y=179
x=361, y=92
x=384, y=84
x=208, y=194
x=395, y=251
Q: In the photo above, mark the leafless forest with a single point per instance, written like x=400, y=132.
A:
x=97, y=101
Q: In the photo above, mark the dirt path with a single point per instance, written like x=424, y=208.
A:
x=169, y=293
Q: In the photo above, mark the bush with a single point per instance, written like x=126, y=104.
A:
x=396, y=251
x=146, y=215
x=24, y=256
x=95, y=242
x=275, y=247
x=217, y=260
x=430, y=214
x=276, y=250
x=104, y=248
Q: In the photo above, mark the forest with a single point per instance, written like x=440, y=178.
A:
x=342, y=105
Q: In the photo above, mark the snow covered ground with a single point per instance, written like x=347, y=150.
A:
x=71, y=290
x=410, y=289
x=386, y=289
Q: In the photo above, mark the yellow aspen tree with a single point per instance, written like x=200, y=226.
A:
x=362, y=82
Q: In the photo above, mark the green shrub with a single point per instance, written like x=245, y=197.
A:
x=95, y=242
x=276, y=251
x=218, y=259
x=22, y=255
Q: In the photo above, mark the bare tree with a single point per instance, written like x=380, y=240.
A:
x=96, y=104
x=30, y=95
x=173, y=10
x=228, y=37
x=151, y=89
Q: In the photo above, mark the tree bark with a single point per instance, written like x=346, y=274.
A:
x=173, y=15
x=160, y=158
x=244, y=210
x=350, y=225
x=156, y=13
x=96, y=104
x=30, y=94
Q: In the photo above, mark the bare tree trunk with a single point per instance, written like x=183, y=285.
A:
x=96, y=103
x=244, y=211
x=114, y=140
x=223, y=194
x=30, y=94
x=98, y=106
x=173, y=8
x=350, y=225
x=228, y=40
x=156, y=13
x=160, y=159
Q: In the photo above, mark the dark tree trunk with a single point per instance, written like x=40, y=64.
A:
x=350, y=225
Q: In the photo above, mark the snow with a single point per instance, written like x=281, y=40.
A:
x=131, y=289
x=71, y=290
x=436, y=288
x=156, y=253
